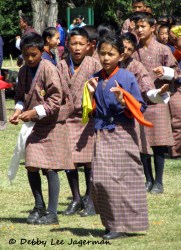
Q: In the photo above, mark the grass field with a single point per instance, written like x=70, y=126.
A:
x=16, y=200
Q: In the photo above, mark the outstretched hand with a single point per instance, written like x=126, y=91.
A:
x=92, y=84
x=159, y=71
x=118, y=93
x=163, y=89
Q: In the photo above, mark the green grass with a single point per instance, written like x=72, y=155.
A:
x=10, y=64
x=16, y=200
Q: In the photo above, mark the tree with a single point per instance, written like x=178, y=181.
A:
x=45, y=13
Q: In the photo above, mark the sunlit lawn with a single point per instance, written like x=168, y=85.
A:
x=16, y=200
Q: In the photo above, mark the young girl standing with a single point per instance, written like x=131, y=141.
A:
x=51, y=39
x=118, y=189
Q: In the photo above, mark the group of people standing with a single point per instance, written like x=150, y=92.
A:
x=112, y=146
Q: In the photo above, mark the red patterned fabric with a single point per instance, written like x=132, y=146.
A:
x=81, y=136
x=118, y=189
x=157, y=54
x=48, y=145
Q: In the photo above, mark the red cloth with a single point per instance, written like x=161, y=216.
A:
x=3, y=84
x=177, y=54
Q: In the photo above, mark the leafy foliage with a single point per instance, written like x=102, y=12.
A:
x=9, y=16
x=117, y=11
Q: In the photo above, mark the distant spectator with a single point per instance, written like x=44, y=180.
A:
x=62, y=31
x=26, y=26
x=73, y=25
x=80, y=21
x=77, y=22
x=63, y=35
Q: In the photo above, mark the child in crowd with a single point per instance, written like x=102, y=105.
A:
x=118, y=188
x=175, y=104
x=162, y=35
x=93, y=40
x=51, y=39
x=75, y=71
x=38, y=98
x=137, y=6
x=145, y=84
x=162, y=67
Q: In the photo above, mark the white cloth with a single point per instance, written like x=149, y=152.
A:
x=168, y=74
x=157, y=98
x=19, y=105
x=40, y=111
x=19, y=151
x=18, y=40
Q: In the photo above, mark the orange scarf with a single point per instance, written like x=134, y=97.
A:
x=134, y=109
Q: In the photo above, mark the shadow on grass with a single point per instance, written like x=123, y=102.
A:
x=80, y=231
x=14, y=220
x=87, y=232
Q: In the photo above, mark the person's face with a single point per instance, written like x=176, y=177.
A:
x=91, y=48
x=163, y=35
x=32, y=56
x=109, y=57
x=143, y=30
x=22, y=24
x=128, y=49
x=148, y=10
x=138, y=7
x=78, y=46
x=78, y=20
x=54, y=41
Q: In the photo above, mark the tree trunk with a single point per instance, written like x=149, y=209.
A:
x=44, y=14
x=39, y=10
x=52, y=13
x=163, y=7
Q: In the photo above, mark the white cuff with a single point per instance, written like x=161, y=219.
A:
x=18, y=43
x=155, y=97
x=40, y=111
x=168, y=73
x=19, y=105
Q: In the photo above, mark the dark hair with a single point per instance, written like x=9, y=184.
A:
x=92, y=32
x=163, y=26
x=130, y=37
x=165, y=19
x=27, y=19
x=138, y=1
x=80, y=17
x=78, y=32
x=62, y=22
x=143, y=16
x=49, y=32
x=32, y=40
x=113, y=40
x=104, y=29
x=175, y=20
